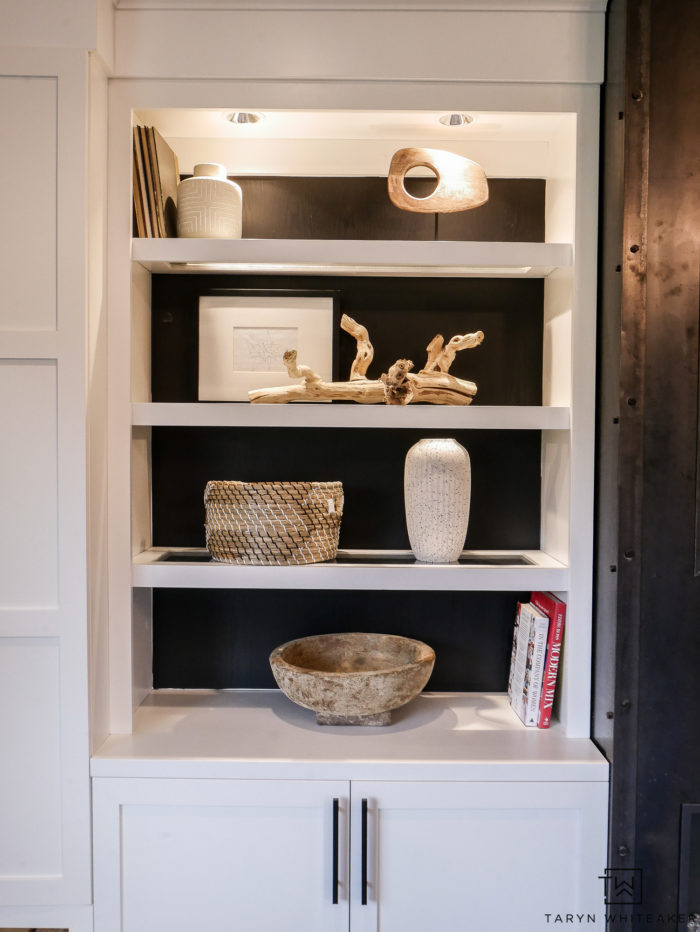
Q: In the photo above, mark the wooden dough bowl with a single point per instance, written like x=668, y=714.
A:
x=352, y=679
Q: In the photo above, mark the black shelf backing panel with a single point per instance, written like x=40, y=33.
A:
x=279, y=207
x=505, y=502
x=219, y=638
x=401, y=314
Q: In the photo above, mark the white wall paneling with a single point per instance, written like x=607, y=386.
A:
x=369, y=45
x=43, y=573
x=29, y=467
x=30, y=787
x=28, y=167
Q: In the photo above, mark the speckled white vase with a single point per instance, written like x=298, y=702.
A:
x=209, y=205
x=437, y=493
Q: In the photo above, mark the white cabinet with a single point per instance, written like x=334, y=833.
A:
x=181, y=854
x=476, y=856
x=177, y=855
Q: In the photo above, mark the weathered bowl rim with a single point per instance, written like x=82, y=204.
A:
x=426, y=655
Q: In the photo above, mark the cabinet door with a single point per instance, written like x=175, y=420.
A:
x=477, y=856
x=222, y=854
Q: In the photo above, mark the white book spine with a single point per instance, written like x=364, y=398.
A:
x=538, y=636
x=526, y=684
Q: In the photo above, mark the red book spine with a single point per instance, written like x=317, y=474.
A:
x=556, y=609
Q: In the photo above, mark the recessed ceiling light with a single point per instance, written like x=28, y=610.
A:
x=243, y=116
x=456, y=119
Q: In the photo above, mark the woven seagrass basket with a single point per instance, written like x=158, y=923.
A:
x=273, y=523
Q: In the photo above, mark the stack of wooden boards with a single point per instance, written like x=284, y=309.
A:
x=156, y=177
x=534, y=663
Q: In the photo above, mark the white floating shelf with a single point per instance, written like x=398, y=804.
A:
x=243, y=414
x=183, y=568
x=352, y=257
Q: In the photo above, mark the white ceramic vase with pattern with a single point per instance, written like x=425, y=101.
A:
x=209, y=205
x=437, y=494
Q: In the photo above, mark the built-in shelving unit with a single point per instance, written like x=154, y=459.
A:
x=563, y=260
x=194, y=740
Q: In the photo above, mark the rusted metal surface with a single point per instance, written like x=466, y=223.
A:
x=655, y=760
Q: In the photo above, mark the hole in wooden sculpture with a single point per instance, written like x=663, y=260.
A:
x=421, y=181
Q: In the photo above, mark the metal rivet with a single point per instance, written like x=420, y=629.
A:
x=623, y=851
x=637, y=95
x=629, y=554
x=631, y=402
x=626, y=704
x=634, y=248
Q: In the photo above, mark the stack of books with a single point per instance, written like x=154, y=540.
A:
x=534, y=662
x=156, y=177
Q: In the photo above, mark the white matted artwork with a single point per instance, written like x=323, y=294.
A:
x=243, y=338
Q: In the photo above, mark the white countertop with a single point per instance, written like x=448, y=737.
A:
x=260, y=734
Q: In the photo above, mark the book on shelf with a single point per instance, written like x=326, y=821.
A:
x=143, y=215
x=168, y=173
x=148, y=175
x=535, y=656
x=155, y=184
x=527, y=662
x=555, y=609
x=139, y=217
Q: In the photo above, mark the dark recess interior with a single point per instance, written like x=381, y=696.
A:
x=221, y=638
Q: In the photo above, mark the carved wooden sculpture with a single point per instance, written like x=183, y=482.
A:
x=399, y=386
x=461, y=185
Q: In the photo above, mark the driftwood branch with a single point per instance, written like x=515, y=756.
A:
x=365, y=350
x=313, y=388
x=398, y=386
x=441, y=357
x=397, y=389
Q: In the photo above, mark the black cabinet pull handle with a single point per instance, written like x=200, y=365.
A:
x=364, y=852
x=336, y=808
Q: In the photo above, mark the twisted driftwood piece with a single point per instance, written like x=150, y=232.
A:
x=399, y=386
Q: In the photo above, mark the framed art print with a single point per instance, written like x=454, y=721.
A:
x=244, y=335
